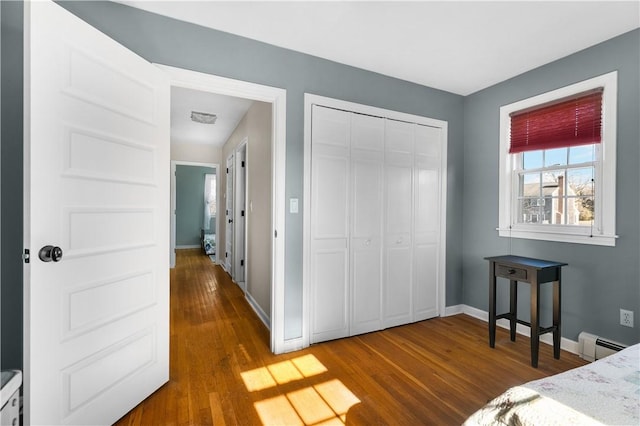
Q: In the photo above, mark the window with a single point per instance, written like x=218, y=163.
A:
x=210, y=203
x=557, y=164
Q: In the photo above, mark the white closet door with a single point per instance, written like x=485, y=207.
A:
x=330, y=224
x=367, y=163
x=398, y=247
x=427, y=220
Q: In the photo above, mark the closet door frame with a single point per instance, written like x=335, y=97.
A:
x=309, y=101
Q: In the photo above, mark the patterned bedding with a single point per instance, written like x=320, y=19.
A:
x=604, y=392
x=209, y=243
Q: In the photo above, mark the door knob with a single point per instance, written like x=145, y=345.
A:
x=50, y=254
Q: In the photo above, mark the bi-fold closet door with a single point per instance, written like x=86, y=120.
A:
x=374, y=223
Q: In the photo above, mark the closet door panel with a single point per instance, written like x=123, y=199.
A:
x=427, y=222
x=330, y=169
x=330, y=293
x=330, y=195
x=366, y=286
x=398, y=251
x=425, y=295
x=367, y=165
x=397, y=294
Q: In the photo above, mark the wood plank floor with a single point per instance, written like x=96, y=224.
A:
x=432, y=372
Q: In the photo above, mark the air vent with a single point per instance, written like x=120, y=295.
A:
x=203, y=117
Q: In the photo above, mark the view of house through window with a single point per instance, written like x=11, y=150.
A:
x=556, y=186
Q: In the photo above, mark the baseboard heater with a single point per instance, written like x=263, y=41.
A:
x=593, y=347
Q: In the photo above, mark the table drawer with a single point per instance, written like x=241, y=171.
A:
x=511, y=273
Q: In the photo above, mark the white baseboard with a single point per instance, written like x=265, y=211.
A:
x=258, y=310
x=566, y=344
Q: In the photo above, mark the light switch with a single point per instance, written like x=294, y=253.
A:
x=293, y=205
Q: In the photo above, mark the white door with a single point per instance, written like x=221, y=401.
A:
x=228, y=240
x=367, y=164
x=330, y=224
x=239, y=253
x=97, y=186
x=398, y=252
x=427, y=230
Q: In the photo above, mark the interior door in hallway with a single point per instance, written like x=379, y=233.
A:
x=229, y=234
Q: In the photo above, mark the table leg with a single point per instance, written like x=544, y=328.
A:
x=513, y=309
x=492, y=305
x=556, y=317
x=535, y=317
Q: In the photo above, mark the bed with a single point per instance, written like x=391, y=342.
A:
x=604, y=392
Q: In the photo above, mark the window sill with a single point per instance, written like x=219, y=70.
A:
x=559, y=236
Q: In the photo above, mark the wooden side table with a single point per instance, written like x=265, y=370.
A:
x=534, y=272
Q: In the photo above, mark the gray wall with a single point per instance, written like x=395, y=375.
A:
x=599, y=280
x=190, y=204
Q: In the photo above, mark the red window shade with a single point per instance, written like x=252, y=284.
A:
x=576, y=121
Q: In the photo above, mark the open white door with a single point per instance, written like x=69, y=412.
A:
x=97, y=186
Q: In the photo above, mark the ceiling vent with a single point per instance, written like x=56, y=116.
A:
x=203, y=117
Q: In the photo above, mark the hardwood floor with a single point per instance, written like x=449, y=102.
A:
x=432, y=372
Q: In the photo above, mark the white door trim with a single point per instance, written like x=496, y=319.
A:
x=277, y=97
x=309, y=101
x=174, y=163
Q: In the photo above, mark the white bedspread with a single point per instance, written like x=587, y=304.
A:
x=606, y=391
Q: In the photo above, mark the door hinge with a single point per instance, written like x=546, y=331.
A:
x=26, y=256
x=243, y=164
x=242, y=213
x=275, y=233
x=226, y=254
x=242, y=262
x=227, y=170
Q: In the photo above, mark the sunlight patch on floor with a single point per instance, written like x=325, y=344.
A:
x=326, y=403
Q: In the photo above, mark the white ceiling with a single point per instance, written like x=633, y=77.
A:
x=457, y=46
x=229, y=110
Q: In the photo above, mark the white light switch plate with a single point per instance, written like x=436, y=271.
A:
x=293, y=205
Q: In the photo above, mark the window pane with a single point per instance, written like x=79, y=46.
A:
x=585, y=208
x=531, y=210
x=532, y=160
x=580, y=181
x=582, y=154
x=552, y=183
x=555, y=157
x=529, y=185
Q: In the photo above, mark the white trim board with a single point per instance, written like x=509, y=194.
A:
x=565, y=344
x=309, y=101
x=277, y=98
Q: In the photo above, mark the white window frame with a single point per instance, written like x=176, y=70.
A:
x=603, y=231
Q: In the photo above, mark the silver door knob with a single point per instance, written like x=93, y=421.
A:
x=50, y=254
